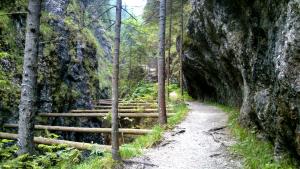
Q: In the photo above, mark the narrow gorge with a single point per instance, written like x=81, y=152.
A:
x=204, y=83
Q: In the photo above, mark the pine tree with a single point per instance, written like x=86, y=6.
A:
x=181, y=50
x=170, y=45
x=161, y=64
x=27, y=107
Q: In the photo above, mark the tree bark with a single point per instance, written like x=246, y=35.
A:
x=181, y=51
x=170, y=45
x=115, y=85
x=27, y=107
x=161, y=64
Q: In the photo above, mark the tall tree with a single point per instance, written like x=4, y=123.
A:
x=181, y=50
x=115, y=85
x=161, y=64
x=27, y=107
x=170, y=45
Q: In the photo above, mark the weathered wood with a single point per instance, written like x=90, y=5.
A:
x=84, y=129
x=127, y=101
x=120, y=110
x=47, y=141
x=115, y=85
x=146, y=115
x=128, y=104
x=125, y=107
x=129, y=107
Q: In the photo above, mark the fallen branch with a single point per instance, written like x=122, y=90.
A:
x=47, y=141
x=13, y=13
x=138, y=162
x=216, y=128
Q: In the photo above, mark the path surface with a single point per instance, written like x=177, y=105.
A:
x=191, y=145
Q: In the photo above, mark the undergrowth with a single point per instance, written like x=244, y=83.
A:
x=47, y=156
x=256, y=154
x=62, y=157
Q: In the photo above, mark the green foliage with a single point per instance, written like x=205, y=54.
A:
x=181, y=111
x=73, y=9
x=9, y=92
x=90, y=37
x=104, y=162
x=256, y=153
x=137, y=50
x=144, y=91
x=48, y=156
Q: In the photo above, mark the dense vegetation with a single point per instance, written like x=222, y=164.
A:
x=62, y=157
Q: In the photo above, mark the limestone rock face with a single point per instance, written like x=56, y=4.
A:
x=247, y=54
x=74, y=55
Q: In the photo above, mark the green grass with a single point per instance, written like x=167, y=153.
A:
x=256, y=154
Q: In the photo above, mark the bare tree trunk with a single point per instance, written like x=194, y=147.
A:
x=161, y=64
x=27, y=107
x=169, y=51
x=115, y=85
x=181, y=51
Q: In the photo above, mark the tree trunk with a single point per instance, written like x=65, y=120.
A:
x=170, y=45
x=27, y=107
x=115, y=84
x=161, y=64
x=181, y=51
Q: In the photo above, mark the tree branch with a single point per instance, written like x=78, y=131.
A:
x=13, y=13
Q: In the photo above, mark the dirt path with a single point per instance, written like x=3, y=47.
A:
x=191, y=145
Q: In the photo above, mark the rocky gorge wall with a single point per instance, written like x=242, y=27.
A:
x=74, y=59
x=247, y=54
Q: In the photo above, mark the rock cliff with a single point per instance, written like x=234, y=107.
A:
x=247, y=54
x=74, y=56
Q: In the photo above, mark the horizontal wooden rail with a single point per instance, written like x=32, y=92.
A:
x=128, y=101
x=84, y=129
x=146, y=115
x=130, y=107
x=120, y=111
x=128, y=104
x=47, y=141
x=127, y=107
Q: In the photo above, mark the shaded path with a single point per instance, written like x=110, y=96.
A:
x=191, y=145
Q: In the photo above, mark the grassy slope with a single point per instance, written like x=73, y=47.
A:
x=256, y=154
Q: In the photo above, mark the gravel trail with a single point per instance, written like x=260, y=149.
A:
x=196, y=143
